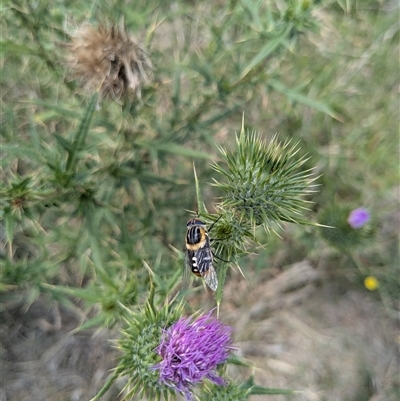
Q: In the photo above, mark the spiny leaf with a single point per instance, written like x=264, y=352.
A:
x=258, y=390
x=59, y=110
x=296, y=96
x=81, y=134
x=173, y=149
x=64, y=143
x=7, y=46
x=265, y=51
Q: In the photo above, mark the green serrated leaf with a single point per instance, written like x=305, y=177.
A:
x=236, y=360
x=107, y=384
x=6, y=46
x=59, y=110
x=258, y=390
x=93, y=322
x=173, y=149
x=254, y=13
x=64, y=143
x=19, y=150
x=84, y=293
x=81, y=134
x=298, y=97
x=253, y=389
x=204, y=70
x=221, y=272
x=265, y=51
x=9, y=223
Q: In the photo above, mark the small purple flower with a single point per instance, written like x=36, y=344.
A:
x=191, y=349
x=358, y=217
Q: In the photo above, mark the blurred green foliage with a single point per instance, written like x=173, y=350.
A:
x=94, y=195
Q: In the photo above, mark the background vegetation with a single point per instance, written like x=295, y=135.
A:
x=95, y=197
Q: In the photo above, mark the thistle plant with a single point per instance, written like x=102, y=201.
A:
x=350, y=227
x=164, y=353
x=358, y=217
x=111, y=177
x=350, y=231
x=138, y=343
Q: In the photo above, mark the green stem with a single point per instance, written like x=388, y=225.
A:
x=108, y=384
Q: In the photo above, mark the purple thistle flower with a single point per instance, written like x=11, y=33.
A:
x=358, y=217
x=191, y=350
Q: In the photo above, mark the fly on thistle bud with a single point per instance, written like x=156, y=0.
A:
x=191, y=349
x=108, y=60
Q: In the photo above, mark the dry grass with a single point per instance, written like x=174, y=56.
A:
x=327, y=342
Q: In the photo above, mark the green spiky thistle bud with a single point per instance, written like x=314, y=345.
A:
x=263, y=183
x=231, y=234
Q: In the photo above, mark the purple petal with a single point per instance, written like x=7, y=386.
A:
x=358, y=218
x=191, y=349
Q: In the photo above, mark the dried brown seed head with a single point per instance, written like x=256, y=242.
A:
x=108, y=61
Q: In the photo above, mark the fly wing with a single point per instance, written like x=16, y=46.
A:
x=210, y=277
x=206, y=267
